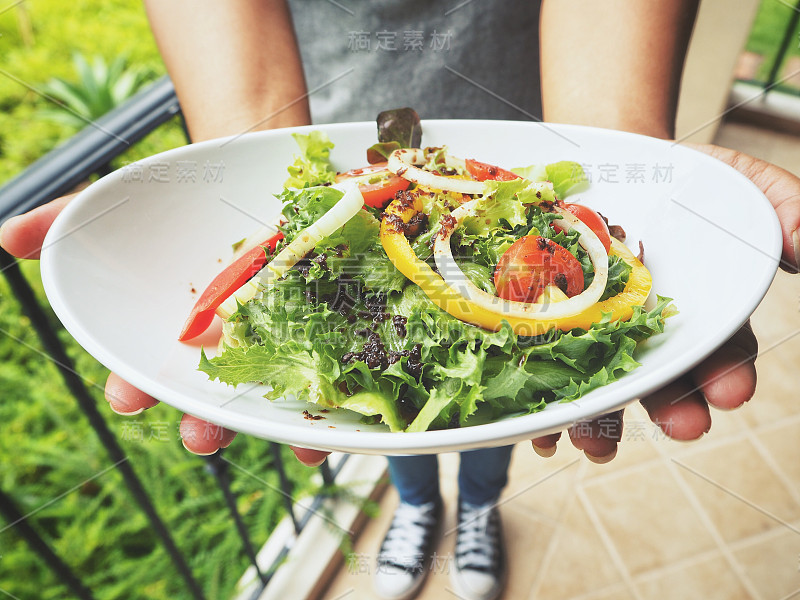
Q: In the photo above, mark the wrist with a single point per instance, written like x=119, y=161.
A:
x=206, y=122
x=644, y=124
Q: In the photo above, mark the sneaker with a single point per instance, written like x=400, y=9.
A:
x=403, y=555
x=478, y=571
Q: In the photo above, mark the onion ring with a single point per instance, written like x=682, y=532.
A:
x=339, y=214
x=458, y=281
x=403, y=162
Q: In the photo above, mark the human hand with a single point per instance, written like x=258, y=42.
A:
x=22, y=237
x=726, y=379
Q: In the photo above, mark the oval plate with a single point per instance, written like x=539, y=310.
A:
x=121, y=262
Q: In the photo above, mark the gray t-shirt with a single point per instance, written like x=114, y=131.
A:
x=455, y=59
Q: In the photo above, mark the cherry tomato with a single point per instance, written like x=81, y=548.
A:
x=376, y=183
x=483, y=171
x=592, y=220
x=531, y=264
x=225, y=284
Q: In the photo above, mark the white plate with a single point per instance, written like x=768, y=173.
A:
x=120, y=262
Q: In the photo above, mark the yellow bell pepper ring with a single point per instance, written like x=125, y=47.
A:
x=399, y=251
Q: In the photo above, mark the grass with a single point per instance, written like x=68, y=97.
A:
x=46, y=444
x=48, y=448
x=107, y=28
x=767, y=33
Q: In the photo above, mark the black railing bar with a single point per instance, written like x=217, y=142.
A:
x=219, y=468
x=327, y=474
x=42, y=548
x=52, y=345
x=60, y=170
x=286, y=484
x=316, y=505
x=788, y=34
x=320, y=498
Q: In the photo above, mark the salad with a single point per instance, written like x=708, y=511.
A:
x=427, y=291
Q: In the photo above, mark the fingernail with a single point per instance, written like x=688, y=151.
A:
x=544, y=452
x=316, y=464
x=126, y=414
x=2, y=229
x=183, y=441
x=601, y=460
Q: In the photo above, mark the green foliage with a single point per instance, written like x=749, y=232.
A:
x=100, y=88
x=768, y=29
x=48, y=448
x=107, y=28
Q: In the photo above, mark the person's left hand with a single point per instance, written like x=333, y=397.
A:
x=726, y=379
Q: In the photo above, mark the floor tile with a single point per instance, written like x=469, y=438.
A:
x=577, y=562
x=772, y=562
x=614, y=592
x=783, y=445
x=710, y=579
x=647, y=517
x=777, y=326
x=736, y=489
x=540, y=487
x=527, y=541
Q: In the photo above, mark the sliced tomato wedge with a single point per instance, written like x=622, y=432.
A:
x=592, y=220
x=486, y=172
x=225, y=284
x=531, y=264
x=376, y=183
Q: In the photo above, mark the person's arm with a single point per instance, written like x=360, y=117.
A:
x=236, y=68
x=235, y=64
x=614, y=64
x=617, y=64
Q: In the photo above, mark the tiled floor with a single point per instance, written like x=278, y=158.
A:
x=714, y=519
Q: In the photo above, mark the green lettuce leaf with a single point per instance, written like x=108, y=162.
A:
x=313, y=166
x=344, y=328
x=305, y=206
x=567, y=177
x=504, y=202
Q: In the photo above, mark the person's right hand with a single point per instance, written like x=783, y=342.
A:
x=22, y=236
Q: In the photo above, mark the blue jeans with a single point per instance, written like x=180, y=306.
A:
x=482, y=475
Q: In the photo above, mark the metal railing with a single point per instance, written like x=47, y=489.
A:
x=55, y=174
x=788, y=34
x=772, y=81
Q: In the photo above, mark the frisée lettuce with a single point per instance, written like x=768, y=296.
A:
x=345, y=329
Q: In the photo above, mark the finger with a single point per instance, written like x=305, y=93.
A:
x=125, y=399
x=310, y=458
x=680, y=410
x=546, y=445
x=22, y=236
x=781, y=188
x=598, y=438
x=728, y=377
x=202, y=437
